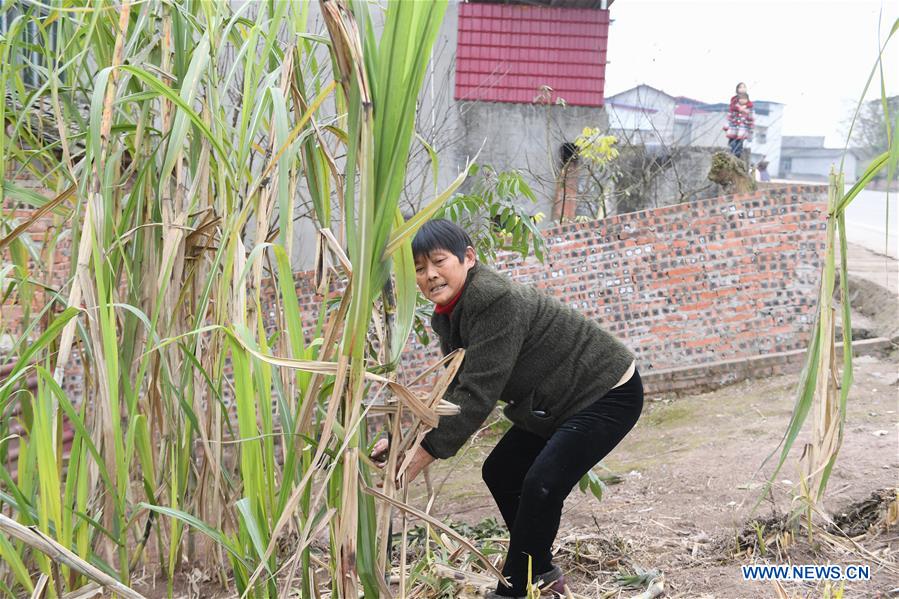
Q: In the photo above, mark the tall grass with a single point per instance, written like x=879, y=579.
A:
x=213, y=420
x=824, y=389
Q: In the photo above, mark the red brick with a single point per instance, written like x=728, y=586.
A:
x=704, y=342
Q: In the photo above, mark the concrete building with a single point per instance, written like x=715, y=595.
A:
x=651, y=117
x=804, y=157
x=515, y=82
x=644, y=115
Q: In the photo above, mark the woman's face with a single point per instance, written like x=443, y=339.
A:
x=441, y=275
x=741, y=89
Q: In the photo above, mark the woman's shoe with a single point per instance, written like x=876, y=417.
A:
x=551, y=584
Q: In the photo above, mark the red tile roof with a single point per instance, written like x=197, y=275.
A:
x=508, y=53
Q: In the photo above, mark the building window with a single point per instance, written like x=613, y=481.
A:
x=761, y=135
x=786, y=165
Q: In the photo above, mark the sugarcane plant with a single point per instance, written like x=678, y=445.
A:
x=216, y=423
x=823, y=389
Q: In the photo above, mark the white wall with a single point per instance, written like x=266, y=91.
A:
x=773, y=122
x=644, y=112
x=820, y=167
x=708, y=129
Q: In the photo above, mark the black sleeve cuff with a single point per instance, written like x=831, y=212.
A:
x=429, y=448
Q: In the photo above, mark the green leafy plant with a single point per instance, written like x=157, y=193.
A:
x=174, y=140
x=640, y=579
x=595, y=163
x=494, y=212
x=597, y=483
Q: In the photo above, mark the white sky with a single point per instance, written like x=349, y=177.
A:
x=814, y=56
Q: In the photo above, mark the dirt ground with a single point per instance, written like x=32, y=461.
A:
x=690, y=476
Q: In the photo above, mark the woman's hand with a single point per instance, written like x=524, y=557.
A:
x=379, y=452
x=420, y=460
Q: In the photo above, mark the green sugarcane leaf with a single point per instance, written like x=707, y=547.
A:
x=292, y=314
x=893, y=160
x=65, y=404
x=406, y=295
x=814, y=360
x=245, y=401
x=406, y=231
x=143, y=444
x=189, y=87
x=846, y=325
x=432, y=156
x=48, y=469
x=282, y=182
x=253, y=529
x=876, y=165
x=27, y=196
x=169, y=94
x=806, y=392
x=15, y=564
x=226, y=543
x=47, y=337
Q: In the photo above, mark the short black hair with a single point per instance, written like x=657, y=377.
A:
x=441, y=234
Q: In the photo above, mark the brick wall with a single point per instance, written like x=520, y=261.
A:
x=717, y=279
x=49, y=265
x=726, y=278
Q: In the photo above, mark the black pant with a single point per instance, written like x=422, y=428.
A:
x=736, y=147
x=530, y=477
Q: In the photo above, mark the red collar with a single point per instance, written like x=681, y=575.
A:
x=448, y=308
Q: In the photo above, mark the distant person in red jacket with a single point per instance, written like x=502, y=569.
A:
x=739, y=121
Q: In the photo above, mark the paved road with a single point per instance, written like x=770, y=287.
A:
x=867, y=218
x=875, y=267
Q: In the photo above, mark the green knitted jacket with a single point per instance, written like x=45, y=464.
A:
x=544, y=360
